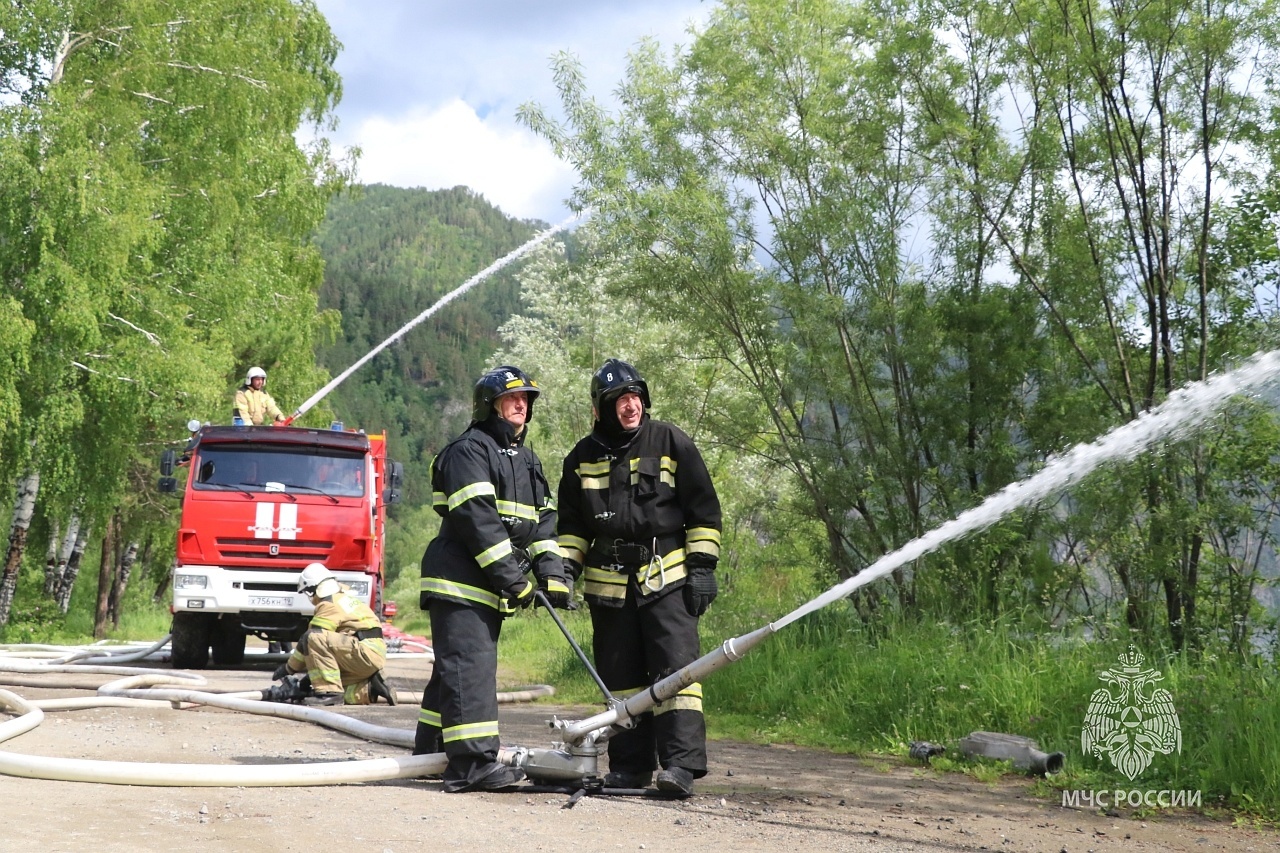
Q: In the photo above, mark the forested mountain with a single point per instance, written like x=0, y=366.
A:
x=390, y=253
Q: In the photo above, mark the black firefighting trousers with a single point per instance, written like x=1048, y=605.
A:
x=634, y=648
x=459, y=714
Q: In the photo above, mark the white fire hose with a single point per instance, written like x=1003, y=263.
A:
x=153, y=688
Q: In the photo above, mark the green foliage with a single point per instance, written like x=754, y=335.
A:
x=764, y=190
x=390, y=254
x=153, y=233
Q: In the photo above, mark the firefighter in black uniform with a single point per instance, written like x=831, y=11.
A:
x=498, y=522
x=639, y=517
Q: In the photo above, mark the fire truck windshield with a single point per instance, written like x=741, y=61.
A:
x=256, y=468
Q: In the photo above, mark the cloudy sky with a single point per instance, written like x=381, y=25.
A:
x=430, y=88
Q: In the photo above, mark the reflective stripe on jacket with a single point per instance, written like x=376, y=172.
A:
x=498, y=518
x=632, y=514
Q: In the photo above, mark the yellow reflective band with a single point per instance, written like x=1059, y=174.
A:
x=544, y=546
x=429, y=718
x=604, y=584
x=328, y=676
x=702, y=534
x=666, y=471
x=518, y=510
x=439, y=499
x=594, y=469
x=679, y=703
x=573, y=543
x=470, y=731
x=466, y=493
x=512, y=383
x=671, y=568
x=449, y=589
x=556, y=585
x=321, y=622
x=493, y=554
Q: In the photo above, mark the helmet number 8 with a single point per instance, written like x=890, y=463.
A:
x=609, y=377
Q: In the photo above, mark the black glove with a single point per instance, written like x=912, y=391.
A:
x=519, y=595
x=699, y=589
x=558, y=593
x=281, y=671
x=572, y=569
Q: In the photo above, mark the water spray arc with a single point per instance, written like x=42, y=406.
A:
x=1184, y=411
x=505, y=260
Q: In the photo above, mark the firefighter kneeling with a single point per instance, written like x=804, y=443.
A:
x=342, y=653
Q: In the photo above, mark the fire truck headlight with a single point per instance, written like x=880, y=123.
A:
x=190, y=581
x=360, y=589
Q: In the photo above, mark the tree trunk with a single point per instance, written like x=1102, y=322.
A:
x=23, y=509
x=106, y=569
x=121, y=583
x=64, y=555
x=162, y=588
x=72, y=569
x=51, y=562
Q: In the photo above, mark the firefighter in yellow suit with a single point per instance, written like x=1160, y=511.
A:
x=253, y=404
x=343, y=652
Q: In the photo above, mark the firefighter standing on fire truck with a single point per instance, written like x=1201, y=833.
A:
x=637, y=508
x=498, y=521
x=253, y=404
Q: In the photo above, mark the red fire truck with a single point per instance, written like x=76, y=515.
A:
x=259, y=504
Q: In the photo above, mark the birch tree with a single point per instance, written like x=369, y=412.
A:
x=153, y=223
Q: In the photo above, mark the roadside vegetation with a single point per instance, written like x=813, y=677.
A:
x=879, y=259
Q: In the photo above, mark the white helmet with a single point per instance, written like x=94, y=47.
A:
x=312, y=577
x=254, y=373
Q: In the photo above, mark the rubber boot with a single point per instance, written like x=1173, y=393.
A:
x=489, y=777
x=378, y=687
x=290, y=689
x=628, y=779
x=675, y=780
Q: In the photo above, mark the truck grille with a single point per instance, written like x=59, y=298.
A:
x=260, y=549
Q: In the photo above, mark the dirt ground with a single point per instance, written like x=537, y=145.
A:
x=755, y=798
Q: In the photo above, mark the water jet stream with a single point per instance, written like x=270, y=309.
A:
x=494, y=267
x=1177, y=416
x=1183, y=411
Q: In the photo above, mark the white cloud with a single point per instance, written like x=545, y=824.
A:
x=451, y=145
x=431, y=87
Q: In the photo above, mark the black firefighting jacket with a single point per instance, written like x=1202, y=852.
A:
x=631, y=513
x=498, y=517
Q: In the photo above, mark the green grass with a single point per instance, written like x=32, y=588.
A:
x=826, y=683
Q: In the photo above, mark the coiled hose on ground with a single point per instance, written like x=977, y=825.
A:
x=32, y=665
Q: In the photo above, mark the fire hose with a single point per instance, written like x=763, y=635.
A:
x=152, y=688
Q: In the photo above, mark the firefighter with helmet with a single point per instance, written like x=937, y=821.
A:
x=639, y=519
x=253, y=404
x=498, y=522
x=342, y=652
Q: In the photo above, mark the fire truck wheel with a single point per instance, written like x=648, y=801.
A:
x=189, y=646
x=228, y=642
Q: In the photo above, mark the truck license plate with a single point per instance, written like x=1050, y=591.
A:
x=270, y=601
